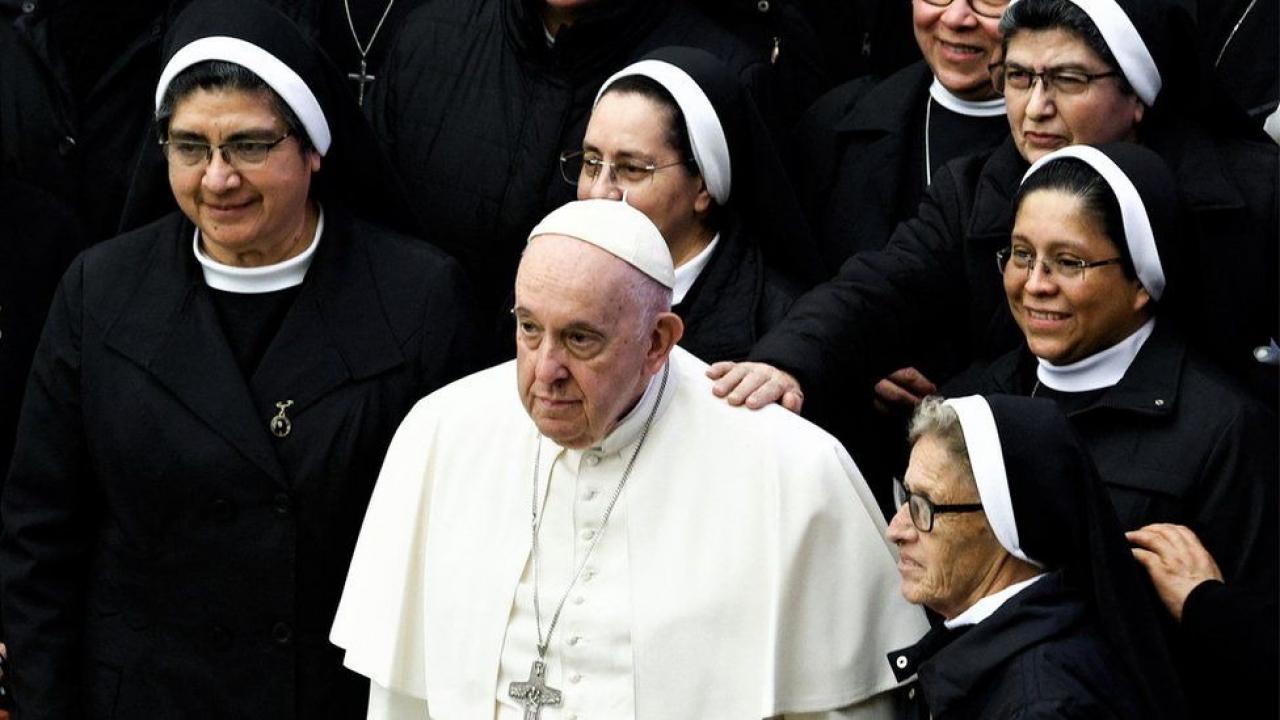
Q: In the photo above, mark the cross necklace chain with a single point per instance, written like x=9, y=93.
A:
x=534, y=693
x=363, y=77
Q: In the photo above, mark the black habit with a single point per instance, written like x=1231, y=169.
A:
x=165, y=555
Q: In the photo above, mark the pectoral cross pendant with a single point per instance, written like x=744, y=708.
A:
x=534, y=692
x=362, y=78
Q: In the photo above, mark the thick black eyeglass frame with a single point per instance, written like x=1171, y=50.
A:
x=918, y=503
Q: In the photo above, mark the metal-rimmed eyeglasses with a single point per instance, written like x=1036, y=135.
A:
x=1064, y=266
x=922, y=510
x=986, y=8
x=579, y=165
x=238, y=154
x=1063, y=80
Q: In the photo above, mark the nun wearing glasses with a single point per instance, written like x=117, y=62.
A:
x=1094, y=262
x=678, y=136
x=1004, y=530
x=1072, y=72
x=211, y=401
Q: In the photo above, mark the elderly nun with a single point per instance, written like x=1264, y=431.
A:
x=1004, y=530
x=211, y=400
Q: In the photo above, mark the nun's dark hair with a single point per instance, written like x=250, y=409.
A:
x=1076, y=177
x=1060, y=15
x=677, y=130
x=223, y=75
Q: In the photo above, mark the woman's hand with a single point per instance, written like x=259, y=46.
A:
x=755, y=385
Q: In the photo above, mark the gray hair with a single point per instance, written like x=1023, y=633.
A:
x=938, y=420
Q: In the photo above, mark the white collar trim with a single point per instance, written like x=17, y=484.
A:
x=687, y=274
x=1102, y=369
x=987, y=606
x=258, y=280
x=972, y=108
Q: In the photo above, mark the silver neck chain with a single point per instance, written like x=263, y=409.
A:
x=544, y=643
x=364, y=50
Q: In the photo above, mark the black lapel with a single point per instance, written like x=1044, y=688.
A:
x=336, y=331
x=170, y=329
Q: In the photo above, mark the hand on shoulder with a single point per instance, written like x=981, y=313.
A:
x=755, y=385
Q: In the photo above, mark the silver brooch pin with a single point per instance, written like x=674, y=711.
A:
x=280, y=425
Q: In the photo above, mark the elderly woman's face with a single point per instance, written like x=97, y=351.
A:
x=632, y=131
x=1066, y=319
x=248, y=213
x=959, y=44
x=1043, y=120
x=950, y=567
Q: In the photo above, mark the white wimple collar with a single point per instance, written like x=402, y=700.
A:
x=257, y=280
x=687, y=274
x=972, y=108
x=987, y=606
x=1102, y=369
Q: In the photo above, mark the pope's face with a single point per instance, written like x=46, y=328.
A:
x=583, y=347
x=948, y=568
x=250, y=214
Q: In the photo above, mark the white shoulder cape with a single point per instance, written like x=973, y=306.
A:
x=762, y=583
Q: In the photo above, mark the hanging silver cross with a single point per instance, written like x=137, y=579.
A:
x=534, y=692
x=362, y=78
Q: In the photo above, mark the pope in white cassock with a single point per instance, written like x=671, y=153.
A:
x=611, y=540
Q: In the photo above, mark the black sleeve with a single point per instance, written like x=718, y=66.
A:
x=857, y=327
x=46, y=510
x=451, y=340
x=1233, y=634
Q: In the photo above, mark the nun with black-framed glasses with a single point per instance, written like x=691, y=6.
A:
x=1005, y=531
x=212, y=398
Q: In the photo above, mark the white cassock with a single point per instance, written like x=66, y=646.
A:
x=742, y=574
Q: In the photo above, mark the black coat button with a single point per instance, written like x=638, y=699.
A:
x=28, y=7
x=282, y=633
x=282, y=504
x=221, y=510
x=219, y=637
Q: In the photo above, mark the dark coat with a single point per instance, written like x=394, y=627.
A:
x=1040, y=655
x=1177, y=441
x=475, y=110
x=937, y=277
x=853, y=147
x=40, y=238
x=165, y=555
x=734, y=301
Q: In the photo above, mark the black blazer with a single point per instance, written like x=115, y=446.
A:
x=165, y=555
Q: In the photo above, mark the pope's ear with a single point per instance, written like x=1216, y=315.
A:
x=668, y=328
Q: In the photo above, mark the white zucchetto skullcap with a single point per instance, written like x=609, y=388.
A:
x=618, y=229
